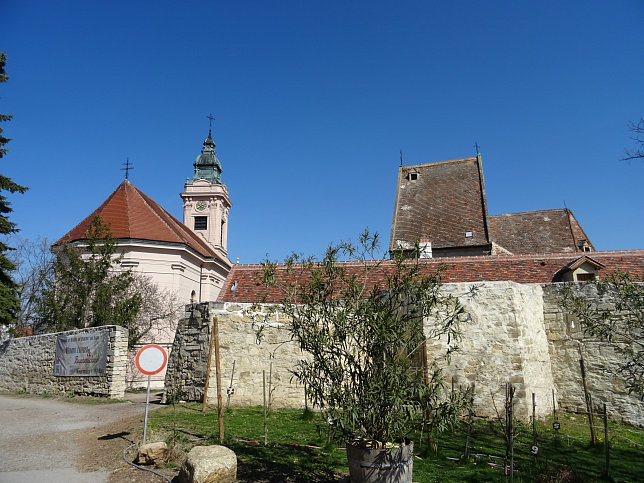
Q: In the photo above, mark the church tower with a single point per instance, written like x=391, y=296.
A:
x=205, y=199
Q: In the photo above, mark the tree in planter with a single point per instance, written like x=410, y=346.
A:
x=87, y=289
x=615, y=315
x=361, y=325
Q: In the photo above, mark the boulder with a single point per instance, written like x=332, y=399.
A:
x=151, y=453
x=209, y=464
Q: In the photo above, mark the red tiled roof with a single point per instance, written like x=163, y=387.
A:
x=543, y=231
x=443, y=203
x=541, y=268
x=131, y=214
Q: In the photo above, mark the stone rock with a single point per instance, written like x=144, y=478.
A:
x=151, y=453
x=209, y=464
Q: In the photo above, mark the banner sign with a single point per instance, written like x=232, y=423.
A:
x=83, y=354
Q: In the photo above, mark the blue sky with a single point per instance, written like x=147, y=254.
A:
x=313, y=102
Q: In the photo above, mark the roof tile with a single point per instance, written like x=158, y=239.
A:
x=440, y=202
x=131, y=214
x=243, y=284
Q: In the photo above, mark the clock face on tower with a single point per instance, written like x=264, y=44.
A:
x=201, y=205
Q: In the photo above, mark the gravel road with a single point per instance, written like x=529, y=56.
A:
x=53, y=440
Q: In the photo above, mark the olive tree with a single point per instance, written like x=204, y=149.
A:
x=361, y=324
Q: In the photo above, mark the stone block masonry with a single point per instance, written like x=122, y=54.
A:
x=515, y=333
x=566, y=339
x=273, y=357
x=27, y=364
x=503, y=341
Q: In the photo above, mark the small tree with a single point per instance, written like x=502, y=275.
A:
x=34, y=269
x=638, y=136
x=615, y=315
x=158, y=312
x=9, y=304
x=360, y=325
x=88, y=289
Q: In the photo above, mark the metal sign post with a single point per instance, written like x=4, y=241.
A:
x=150, y=360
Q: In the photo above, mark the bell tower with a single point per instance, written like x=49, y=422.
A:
x=205, y=198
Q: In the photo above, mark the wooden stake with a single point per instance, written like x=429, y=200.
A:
x=205, y=389
x=554, y=415
x=509, y=411
x=265, y=427
x=230, y=388
x=469, y=423
x=220, y=408
x=270, y=385
x=606, y=445
x=306, y=399
x=589, y=403
x=466, y=453
x=430, y=442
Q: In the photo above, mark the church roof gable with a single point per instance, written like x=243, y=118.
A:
x=131, y=214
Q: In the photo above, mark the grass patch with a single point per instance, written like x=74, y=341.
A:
x=280, y=460
x=569, y=457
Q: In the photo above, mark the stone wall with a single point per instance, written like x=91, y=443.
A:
x=503, y=341
x=566, y=339
x=515, y=333
x=27, y=364
x=272, y=358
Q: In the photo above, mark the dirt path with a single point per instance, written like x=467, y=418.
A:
x=55, y=440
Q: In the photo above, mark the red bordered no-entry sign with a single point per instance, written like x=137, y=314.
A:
x=151, y=359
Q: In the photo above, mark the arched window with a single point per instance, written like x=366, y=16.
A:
x=193, y=297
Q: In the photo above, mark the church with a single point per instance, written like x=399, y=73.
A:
x=187, y=260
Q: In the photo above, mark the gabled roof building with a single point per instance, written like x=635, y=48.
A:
x=443, y=207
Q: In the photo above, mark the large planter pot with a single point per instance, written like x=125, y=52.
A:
x=381, y=465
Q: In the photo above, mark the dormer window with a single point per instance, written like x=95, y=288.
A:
x=583, y=269
x=584, y=246
x=412, y=176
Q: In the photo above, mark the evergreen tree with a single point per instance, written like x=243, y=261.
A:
x=9, y=303
x=88, y=289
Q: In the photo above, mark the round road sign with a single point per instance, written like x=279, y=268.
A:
x=151, y=359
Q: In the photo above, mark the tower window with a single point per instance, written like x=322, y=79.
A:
x=201, y=222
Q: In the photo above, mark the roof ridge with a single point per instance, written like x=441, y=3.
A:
x=87, y=219
x=461, y=259
x=128, y=186
x=434, y=163
x=533, y=211
x=177, y=227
